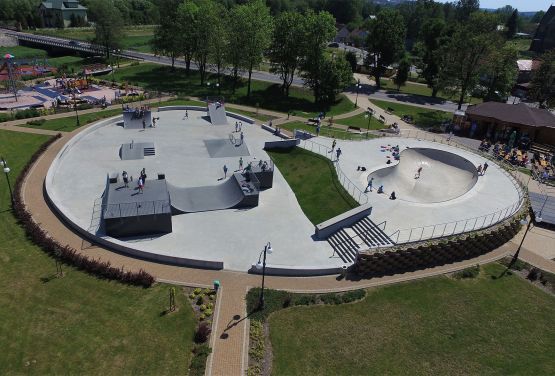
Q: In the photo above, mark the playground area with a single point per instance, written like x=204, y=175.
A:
x=204, y=166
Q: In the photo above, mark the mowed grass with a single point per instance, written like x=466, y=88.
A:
x=22, y=52
x=266, y=95
x=314, y=181
x=423, y=117
x=325, y=131
x=136, y=38
x=424, y=90
x=362, y=122
x=436, y=326
x=78, y=324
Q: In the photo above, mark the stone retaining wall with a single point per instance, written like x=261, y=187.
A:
x=373, y=264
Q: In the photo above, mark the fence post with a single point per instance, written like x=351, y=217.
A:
x=410, y=234
x=422, y=233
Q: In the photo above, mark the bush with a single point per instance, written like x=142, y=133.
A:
x=37, y=122
x=305, y=300
x=533, y=274
x=197, y=291
x=202, y=332
x=471, y=272
x=200, y=300
x=84, y=106
x=208, y=312
x=198, y=362
x=28, y=113
x=352, y=296
x=331, y=298
x=287, y=301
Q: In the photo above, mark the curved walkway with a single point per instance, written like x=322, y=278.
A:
x=230, y=334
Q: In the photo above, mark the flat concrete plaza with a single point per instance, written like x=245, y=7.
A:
x=191, y=152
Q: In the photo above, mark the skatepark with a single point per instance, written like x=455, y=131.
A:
x=222, y=219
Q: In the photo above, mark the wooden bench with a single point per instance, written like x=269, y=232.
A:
x=353, y=129
x=382, y=119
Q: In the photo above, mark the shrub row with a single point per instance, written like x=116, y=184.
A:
x=471, y=272
x=66, y=253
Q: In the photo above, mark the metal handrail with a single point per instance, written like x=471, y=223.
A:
x=349, y=186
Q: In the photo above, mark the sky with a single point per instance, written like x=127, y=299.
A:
x=521, y=5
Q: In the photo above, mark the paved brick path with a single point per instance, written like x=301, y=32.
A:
x=230, y=336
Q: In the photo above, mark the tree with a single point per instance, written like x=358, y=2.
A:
x=219, y=41
x=108, y=27
x=542, y=88
x=465, y=8
x=428, y=52
x=320, y=28
x=233, y=53
x=187, y=12
x=500, y=71
x=385, y=41
x=286, y=50
x=538, y=16
x=464, y=52
x=351, y=58
x=345, y=11
x=164, y=40
x=337, y=75
x=402, y=72
x=512, y=24
x=256, y=35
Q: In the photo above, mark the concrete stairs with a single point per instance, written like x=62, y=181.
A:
x=364, y=234
x=149, y=152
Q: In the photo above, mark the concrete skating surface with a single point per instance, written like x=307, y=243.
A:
x=443, y=176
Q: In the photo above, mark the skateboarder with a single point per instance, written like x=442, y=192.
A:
x=333, y=145
x=418, y=172
x=485, y=168
x=380, y=189
x=369, y=186
x=125, y=179
x=480, y=170
x=144, y=124
x=154, y=122
x=240, y=163
x=242, y=138
x=318, y=129
x=338, y=154
x=141, y=184
x=225, y=171
x=236, y=127
x=392, y=196
x=186, y=114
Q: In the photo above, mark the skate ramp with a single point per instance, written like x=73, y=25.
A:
x=444, y=176
x=229, y=194
x=217, y=114
x=134, y=119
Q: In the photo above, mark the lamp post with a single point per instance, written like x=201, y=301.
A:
x=75, y=107
x=369, y=115
x=218, y=86
x=533, y=219
x=358, y=86
x=7, y=171
x=262, y=265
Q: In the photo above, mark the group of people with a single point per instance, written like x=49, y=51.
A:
x=138, y=112
x=380, y=190
x=482, y=169
x=140, y=183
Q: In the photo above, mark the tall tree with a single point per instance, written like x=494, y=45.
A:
x=336, y=76
x=538, y=16
x=542, y=88
x=428, y=52
x=320, y=28
x=465, y=8
x=286, y=50
x=500, y=70
x=257, y=26
x=164, y=41
x=233, y=52
x=385, y=41
x=402, y=72
x=512, y=24
x=219, y=41
x=463, y=54
x=187, y=13
x=108, y=28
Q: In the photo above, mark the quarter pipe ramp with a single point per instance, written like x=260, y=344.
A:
x=216, y=111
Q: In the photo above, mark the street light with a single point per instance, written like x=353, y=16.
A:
x=358, y=86
x=218, y=86
x=368, y=115
x=533, y=220
x=262, y=265
x=7, y=171
x=75, y=107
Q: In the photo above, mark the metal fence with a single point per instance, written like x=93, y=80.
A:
x=349, y=186
x=133, y=209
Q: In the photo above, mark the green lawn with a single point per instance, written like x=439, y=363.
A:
x=314, y=181
x=68, y=124
x=436, y=326
x=154, y=77
x=135, y=37
x=78, y=324
x=423, y=118
x=361, y=121
x=253, y=115
x=21, y=52
x=420, y=89
x=325, y=131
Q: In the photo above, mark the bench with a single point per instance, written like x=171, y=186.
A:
x=355, y=129
x=382, y=119
x=390, y=110
x=313, y=121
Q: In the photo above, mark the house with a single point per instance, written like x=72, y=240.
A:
x=526, y=69
x=497, y=121
x=544, y=39
x=62, y=13
x=342, y=35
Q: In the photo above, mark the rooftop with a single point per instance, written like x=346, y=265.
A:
x=514, y=113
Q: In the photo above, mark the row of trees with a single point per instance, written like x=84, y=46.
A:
x=236, y=40
x=454, y=58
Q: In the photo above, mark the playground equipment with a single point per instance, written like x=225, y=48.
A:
x=12, y=78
